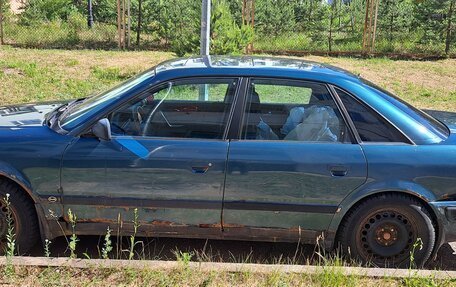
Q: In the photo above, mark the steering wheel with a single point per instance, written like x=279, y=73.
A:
x=148, y=121
x=155, y=109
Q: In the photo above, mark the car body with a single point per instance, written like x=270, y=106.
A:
x=229, y=163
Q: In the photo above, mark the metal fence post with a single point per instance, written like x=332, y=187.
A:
x=205, y=39
x=205, y=26
x=90, y=14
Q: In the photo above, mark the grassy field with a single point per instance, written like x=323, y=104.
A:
x=28, y=75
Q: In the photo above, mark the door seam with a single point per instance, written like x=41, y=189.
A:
x=225, y=171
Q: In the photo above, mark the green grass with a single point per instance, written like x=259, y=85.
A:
x=299, y=41
x=29, y=75
x=183, y=276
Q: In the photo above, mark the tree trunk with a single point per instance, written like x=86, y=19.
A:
x=331, y=20
x=391, y=21
x=449, y=28
x=138, y=32
x=310, y=10
x=1, y=22
x=119, y=25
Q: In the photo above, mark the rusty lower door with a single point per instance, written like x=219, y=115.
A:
x=176, y=185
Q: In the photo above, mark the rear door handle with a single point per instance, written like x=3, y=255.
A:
x=338, y=170
x=200, y=169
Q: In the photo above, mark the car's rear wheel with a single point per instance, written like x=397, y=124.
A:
x=23, y=215
x=385, y=230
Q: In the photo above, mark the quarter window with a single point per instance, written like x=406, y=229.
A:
x=371, y=127
x=291, y=111
x=182, y=109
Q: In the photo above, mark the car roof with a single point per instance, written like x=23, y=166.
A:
x=253, y=66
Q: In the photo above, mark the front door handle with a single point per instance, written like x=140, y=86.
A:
x=338, y=170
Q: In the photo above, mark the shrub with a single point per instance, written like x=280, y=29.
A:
x=46, y=10
x=226, y=36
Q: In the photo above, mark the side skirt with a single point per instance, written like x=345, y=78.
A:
x=168, y=229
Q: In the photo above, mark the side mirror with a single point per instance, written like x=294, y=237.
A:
x=102, y=129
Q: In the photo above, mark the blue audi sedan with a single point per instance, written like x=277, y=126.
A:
x=239, y=148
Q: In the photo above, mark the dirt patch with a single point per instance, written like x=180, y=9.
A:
x=12, y=71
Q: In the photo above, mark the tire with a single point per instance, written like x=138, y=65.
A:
x=25, y=222
x=382, y=231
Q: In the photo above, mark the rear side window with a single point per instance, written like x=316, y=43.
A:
x=371, y=127
x=292, y=111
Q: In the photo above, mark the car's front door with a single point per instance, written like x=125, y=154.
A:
x=167, y=158
x=293, y=164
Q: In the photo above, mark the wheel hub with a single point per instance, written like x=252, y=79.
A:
x=386, y=234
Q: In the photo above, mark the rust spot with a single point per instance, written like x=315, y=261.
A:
x=92, y=220
x=209, y=225
x=232, y=225
x=161, y=223
x=166, y=223
x=296, y=228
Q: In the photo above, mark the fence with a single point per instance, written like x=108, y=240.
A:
x=338, y=27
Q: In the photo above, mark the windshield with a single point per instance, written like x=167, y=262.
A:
x=430, y=122
x=80, y=110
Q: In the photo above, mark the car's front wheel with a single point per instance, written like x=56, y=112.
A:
x=24, y=223
x=385, y=230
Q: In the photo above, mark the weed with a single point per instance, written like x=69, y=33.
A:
x=10, y=237
x=107, y=246
x=183, y=257
x=133, y=243
x=47, y=250
x=73, y=239
x=417, y=244
x=119, y=237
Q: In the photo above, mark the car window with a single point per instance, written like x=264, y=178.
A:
x=291, y=111
x=371, y=127
x=181, y=109
x=432, y=124
x=92, y=105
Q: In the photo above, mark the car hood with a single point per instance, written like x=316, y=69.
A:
x=25, y=115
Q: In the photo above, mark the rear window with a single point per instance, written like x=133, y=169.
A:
x=434, y=125
x=370, y=126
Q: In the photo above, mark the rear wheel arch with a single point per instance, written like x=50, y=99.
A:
x=384, y=194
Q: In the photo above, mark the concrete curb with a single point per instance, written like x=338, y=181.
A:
x=223, y=267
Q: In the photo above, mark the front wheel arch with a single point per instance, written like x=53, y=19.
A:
x=27, y=215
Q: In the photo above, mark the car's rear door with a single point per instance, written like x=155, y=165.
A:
x=167, y=157
x=292, y=165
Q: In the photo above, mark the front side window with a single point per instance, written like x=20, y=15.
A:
x=181, y=109
x=370, y=126
x=291, y=111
